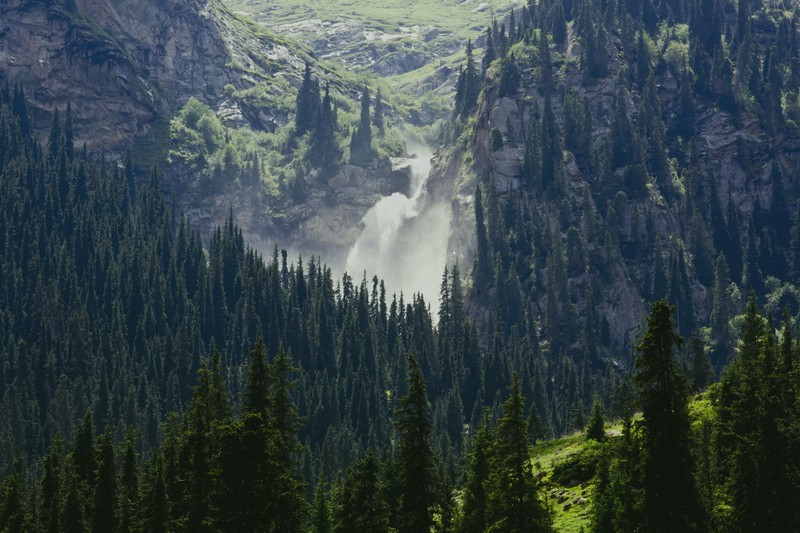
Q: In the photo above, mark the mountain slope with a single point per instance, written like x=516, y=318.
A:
x=125, y=65
x=623, y=161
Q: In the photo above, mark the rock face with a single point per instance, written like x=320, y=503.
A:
x=128, y=66
x=125, y=64
x=361, y=47
x=326, y=223
x=746, y=163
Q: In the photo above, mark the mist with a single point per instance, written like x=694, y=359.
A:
x=404, y=241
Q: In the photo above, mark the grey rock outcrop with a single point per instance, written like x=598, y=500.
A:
x=736, y=149
x=125, y=64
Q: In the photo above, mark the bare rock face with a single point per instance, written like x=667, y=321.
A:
x=124, y=63
x=127, y=66
x=747, y=162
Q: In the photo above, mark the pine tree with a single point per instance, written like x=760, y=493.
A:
x=13, y=504
x=256, y=399
x=702, y=372
x=307, y=103
x=73, y=517
x=490, y=53
x=531, y=160
x=51, y=488
x=83, y=453
x=475, y=497
x=55, y=138
x=509, y=77
x=325, y=150
x=559, y=25
x=512, y=494
x=377, y=113
x=470, y=82
x=105, y=499
x=551, y=149
x=69, y=135
x=602, y=513
x=361, y=141
x=481, y=270
x=684, y=119
x=361, y=506
x=756, y=429
x=154, y=510
x=321, y=519
x=595, y=430
x=671, y=499
x=623, y=140
x=546, y=82
x=207, y=410
x=129, y=485
x=417, y=473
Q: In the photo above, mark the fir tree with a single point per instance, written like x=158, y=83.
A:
x=512, y=494
x=475, y=497
x=361, y=141
x=671, y=499
x=377, y=113
x=105, y=503
x=595, y=430
x=307, y=103
x=416, y=474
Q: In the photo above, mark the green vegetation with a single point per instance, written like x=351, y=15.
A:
x=390, y=26
x=216, y=154
x=153, y=382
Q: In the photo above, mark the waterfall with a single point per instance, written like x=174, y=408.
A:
x=404, y=240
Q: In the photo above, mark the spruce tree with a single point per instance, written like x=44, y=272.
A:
x=361, y=140
x=361, y=505
x=671, y=499
x=475, y=498
x=105, y=497
x=471, y=83
x=307, y=103
x=512, y=493
x=377, y=112
x=595, y=430
x=416, y=470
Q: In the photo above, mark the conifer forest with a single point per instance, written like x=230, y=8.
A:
x=427, y=266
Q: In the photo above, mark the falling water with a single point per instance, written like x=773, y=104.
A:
x=404, y=241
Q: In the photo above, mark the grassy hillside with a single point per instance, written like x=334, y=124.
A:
x=565, y=469
x=387, y=38
x=570, y=500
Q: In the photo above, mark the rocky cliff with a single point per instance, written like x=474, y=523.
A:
x=129, y=66
x=627, y=232
x=125, y=64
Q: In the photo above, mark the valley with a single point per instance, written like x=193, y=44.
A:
x=399, y=266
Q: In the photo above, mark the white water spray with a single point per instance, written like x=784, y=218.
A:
x=405, y=242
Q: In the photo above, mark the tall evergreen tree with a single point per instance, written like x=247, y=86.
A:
x=307, y=103
x=470, y=83
x=105, y=498
x=377, y=113
x=361, y=141
x=513, y=500
x=361, y=506
x=671, y=499
x=475, y=497
x=415, y=461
